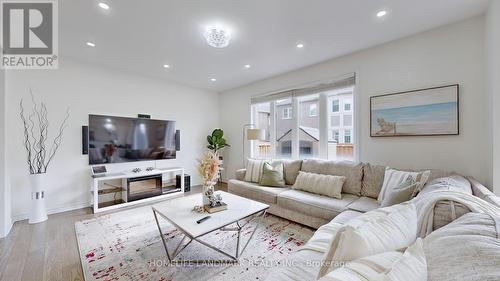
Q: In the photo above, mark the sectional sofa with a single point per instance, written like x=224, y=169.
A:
x=359, y=195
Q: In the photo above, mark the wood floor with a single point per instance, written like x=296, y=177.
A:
x=46, y=251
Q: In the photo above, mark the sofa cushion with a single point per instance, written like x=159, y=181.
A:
x=352, y=171
x=394, y=265
x=314, y=205
x=254, y=170
x=373, y=178
x=272, y=175
x=327, y=185
x=447, y=211
x=291, y=169
x=254, y=191
x=364, y=204
x=346, y=216
x=394, y=178
x=375, y=232
x=468, y=247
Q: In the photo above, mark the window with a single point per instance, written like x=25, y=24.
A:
x=347, y=106
x=287, y=113
x=341, y=125
x=297, y=127
x=313, y=110
x=335, y=105
x=335, y=121
x=347, y=136
x=308, y=127
x=284, y=128
x=347, y=120
x=261, y=118
x=335, y=136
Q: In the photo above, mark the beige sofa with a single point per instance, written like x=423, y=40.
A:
x=359, y=193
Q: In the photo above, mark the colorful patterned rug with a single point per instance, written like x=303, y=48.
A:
x=127, y=246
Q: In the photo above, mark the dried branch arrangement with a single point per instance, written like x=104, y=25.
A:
x=36, y=135
x=209, y=167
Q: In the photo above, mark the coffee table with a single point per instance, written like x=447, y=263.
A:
x=179, y=212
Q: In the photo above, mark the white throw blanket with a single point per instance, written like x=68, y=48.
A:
x=425, y=204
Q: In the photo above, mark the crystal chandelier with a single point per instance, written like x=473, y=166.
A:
x=217, y=37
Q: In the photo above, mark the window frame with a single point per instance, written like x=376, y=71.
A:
x=289, y=111
x=313, y=112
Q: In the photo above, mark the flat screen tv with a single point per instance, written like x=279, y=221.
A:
x=121, y=139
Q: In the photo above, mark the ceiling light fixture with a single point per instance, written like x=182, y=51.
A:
x=166, y=66
x=90, y=44
x=300, y=45
x=213, y=79
x=381, y=13
x=217, y=37
x=104, y=6
x=247, y=66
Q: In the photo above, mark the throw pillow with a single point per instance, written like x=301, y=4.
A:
x=327, y=185
x=393, y=178
x=401, y=193
x=254, y=170
x=393, y=265
x=374, y=232
x=272, y=175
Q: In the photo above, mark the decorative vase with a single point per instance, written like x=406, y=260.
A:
x=37, y=212
x=208, y=192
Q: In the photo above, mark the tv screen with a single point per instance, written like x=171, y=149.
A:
x=120, y=139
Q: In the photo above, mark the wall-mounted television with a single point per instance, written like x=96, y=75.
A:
x=120, y=139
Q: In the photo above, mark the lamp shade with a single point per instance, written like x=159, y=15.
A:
x=256, y=134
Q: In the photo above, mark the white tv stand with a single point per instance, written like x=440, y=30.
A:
x=126, y=175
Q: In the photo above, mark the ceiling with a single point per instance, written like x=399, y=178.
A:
x=142, y=36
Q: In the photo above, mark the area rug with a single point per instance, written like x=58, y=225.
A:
x=127, y=246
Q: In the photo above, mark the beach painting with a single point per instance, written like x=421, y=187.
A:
x=426, y=112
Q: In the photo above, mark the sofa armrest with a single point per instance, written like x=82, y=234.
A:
x=483, y=192
x=240, y=174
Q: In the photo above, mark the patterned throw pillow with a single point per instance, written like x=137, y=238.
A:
x=272, y=175
x=254, y=170
x=394, y=178
x=401, y=193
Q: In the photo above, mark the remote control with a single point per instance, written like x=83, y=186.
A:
x=202, y=219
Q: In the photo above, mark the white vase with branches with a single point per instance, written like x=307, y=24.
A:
x=40, y=153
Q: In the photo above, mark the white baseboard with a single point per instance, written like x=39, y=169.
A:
x=51, y=211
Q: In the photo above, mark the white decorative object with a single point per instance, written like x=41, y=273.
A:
x=39, y=151
x=37, y=212
x=393, y=178
x=217, y=37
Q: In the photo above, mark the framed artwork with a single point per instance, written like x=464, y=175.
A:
x=425, y=112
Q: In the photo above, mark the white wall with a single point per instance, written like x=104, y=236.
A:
x=89, y=89
x=493, y=83
x=5, y=217
x=450, y=54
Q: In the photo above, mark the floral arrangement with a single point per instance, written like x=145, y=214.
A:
x=208, y=168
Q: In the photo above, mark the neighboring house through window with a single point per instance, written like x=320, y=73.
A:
x=335, y=105
x=287, y=113
x=347, y=136
x=313, y=110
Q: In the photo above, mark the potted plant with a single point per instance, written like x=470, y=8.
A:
x=208, y=169
x=40, y=153
x=216, y=140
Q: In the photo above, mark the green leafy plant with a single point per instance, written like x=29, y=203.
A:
x=216, y=141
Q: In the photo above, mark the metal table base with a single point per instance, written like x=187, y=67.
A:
x=182, y=245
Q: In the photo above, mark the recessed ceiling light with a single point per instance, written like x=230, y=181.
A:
x=166, y=66
x=247, y=66
x=104, y=6
x=213, y=79
x=381, y=13
x=300, y=45
x=90, y=44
